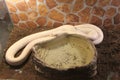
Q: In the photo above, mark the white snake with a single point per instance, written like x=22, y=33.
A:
x=89, y=31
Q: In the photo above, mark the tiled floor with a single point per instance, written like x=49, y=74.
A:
x=4, y=33
x=53, y=13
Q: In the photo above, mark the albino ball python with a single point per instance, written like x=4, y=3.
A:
x=89, y=31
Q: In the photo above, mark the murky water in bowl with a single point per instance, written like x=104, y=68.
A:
x=65, y=53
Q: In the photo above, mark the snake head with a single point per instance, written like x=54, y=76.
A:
x=91, y=32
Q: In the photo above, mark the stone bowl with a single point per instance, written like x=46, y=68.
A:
x=67, y=57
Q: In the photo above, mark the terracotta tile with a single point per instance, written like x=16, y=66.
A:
x=85, y=19
x=22, y=25
x=107, y=22
x=41, y=21
x=32, y=15
x=40, y=0
x=96, y=21
x=79, y=4
x=23, y=16
x=13, y=1
x=11, y=7
x=57, y=16
x=22, y=6
x=32, y=4
x=103, y=3
x=115, y=3
x=31, y=24
x=49, y=24
x=57, y=24
x=14, y=18
x=65, y=1
x=85, y=14
x=64, y=8
x=43, y=11
x=85, y=11
x=91, y=2
x=72, y=18
x=117, y=19
x=99, y=11
x=51, y=3
x=110, y=12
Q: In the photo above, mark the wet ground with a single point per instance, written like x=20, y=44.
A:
x=108, y=65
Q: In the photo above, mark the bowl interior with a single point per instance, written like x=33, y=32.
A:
x=65, y=52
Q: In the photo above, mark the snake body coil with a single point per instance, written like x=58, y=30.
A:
x=89, y=31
